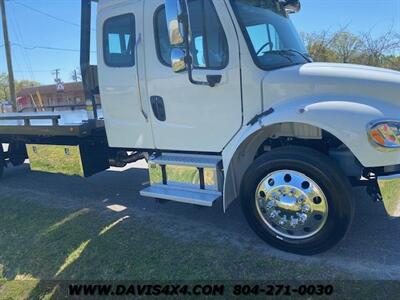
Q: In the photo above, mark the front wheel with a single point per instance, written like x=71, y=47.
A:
x=297, y=200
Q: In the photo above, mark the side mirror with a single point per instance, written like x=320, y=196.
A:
x=178, y=59
x=174, y=13
x=291, y=6
x=178, y=31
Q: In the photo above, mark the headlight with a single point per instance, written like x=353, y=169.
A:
x=385, y=134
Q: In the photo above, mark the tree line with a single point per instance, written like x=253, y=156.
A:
x=364, y=48
x=19, y=86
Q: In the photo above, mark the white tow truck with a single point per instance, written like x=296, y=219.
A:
x=222, y=99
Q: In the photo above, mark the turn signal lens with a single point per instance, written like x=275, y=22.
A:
x=386, y=134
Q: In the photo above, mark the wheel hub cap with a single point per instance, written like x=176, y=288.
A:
x=291, y=204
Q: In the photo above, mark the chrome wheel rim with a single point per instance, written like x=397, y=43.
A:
x=291, y=204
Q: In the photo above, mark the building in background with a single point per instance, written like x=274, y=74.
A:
x=59, y=96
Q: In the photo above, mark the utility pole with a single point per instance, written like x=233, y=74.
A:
x=8, y=56
x=56, y=72
x=75, y=76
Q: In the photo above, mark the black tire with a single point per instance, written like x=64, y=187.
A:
x=17, y=153
x=322, y=170
x=2, y=161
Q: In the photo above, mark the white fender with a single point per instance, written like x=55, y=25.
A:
x=346, y=119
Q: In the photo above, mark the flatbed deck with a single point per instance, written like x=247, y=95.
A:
x=50, y=124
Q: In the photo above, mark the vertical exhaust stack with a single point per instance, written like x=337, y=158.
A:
x=89, y=72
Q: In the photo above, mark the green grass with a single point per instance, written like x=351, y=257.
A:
x=41, y=243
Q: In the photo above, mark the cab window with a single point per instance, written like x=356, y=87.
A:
x=119, y=41
x=264, y=37
x=209, y=45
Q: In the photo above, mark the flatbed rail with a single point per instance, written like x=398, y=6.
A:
x=27, y=119
x=56, y=108
x=49, y=125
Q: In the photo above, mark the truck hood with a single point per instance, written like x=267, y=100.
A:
x=322, y=81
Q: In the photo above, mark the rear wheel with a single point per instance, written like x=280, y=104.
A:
x=297, y=200
x=17, y=153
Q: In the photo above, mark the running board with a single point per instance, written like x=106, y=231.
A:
x=196, y=197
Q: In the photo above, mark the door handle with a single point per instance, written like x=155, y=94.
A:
x=157, y=104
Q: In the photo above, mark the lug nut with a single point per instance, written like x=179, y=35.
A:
x=302, y=218
x=294, y=222
x=283, y=221
x=273, y=214
x=270, y=204
x=300, y=200
x=306, y=208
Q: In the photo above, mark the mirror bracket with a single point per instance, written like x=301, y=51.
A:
x=213, y=80
x=290, y=6
x=179, y=30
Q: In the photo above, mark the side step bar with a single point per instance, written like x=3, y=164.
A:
x=186, y=178
x=196, y=197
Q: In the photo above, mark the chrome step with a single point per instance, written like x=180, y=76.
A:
x=196, y=197
x=199, y=161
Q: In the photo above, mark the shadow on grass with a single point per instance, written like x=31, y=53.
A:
x=41, y=243
x=46, y=245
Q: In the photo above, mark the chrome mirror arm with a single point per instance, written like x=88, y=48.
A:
x=189, y=59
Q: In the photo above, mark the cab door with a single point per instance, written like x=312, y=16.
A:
x=121, y=68
x=185, y=116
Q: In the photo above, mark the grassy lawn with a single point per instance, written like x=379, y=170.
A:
x=41, y=243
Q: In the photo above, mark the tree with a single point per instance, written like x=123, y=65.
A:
x=4, y=87
x=376, y=48
x=347, y=46
x=19, y=85
x=319, y=46
x=391, y=62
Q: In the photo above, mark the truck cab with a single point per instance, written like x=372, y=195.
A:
x=163, y=109
x=223, y=100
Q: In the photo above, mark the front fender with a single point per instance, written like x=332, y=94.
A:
x=347, y=120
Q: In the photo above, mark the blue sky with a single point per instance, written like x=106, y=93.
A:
x=29, y=28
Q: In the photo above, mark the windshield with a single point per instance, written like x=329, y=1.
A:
x=272, y=38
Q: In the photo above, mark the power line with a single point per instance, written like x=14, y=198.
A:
x=16, y=61
x=46, y=14
x=34, y=71
x=19, y=36
x=49, y=15
x=29, y=47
